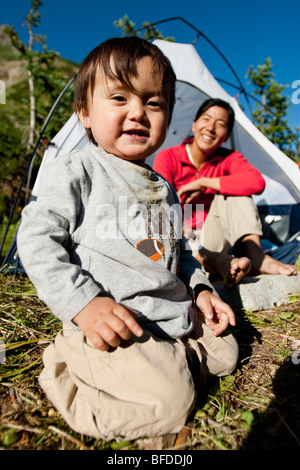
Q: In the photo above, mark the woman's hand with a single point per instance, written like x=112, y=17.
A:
x=193, y=188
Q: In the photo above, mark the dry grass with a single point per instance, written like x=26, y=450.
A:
x=255, y=408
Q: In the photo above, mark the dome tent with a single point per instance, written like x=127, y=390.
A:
x=279, y=204
x=195, y=83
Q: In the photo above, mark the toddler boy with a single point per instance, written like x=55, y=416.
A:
x=141, y=324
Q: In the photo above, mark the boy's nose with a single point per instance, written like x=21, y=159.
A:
x=136, y=111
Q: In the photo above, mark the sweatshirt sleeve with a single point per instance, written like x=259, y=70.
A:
x=191, y=273
x=190, y=270
x=241, y=178
x=44, y=243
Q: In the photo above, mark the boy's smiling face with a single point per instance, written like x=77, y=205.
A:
x=128, y=123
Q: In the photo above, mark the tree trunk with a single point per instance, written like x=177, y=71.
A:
x=31, y=132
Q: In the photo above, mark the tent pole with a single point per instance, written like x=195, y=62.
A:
x=199, y=33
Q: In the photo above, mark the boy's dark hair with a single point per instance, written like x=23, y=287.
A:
x=125, y=52
x=222, y=104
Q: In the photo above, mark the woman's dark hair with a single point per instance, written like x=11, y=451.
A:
x=222, y=104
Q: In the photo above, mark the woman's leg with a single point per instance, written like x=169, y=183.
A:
x=229, y=219
x=231, y=269
x=261, y=263
x=211, y=245
x=234, y=222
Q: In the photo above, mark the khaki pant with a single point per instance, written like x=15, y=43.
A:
x=229, y=218
x=144, y=388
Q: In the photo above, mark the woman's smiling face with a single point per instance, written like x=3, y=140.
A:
x=211, y=130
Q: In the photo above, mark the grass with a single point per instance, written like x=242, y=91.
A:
x=257, y=407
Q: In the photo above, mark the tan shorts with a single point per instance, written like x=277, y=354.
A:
x=229, y=218
x=144, y=388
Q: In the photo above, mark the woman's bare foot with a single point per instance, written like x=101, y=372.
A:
x=238, y=268
x=230, y=269
x=270, y=265
x=260, y=262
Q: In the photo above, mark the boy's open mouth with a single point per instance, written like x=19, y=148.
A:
x=136, y=132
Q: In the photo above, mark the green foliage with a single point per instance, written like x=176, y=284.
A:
x=50, y=74
x=125, y=24
x=34, y=16
x=150, y=31
x=298, y=263
x=49, y=78
x=10, y=437
x=270, y=116
x=11, y=230
x=7, y=52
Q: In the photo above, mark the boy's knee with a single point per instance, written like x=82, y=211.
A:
x=218, y=355
x=173, y=407
x=230, y=355
x=177, y=389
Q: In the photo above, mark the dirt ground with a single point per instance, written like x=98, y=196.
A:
x=257, y=407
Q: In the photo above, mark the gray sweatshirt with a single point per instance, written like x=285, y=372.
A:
x=104, y=226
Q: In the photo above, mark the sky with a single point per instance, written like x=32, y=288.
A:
x=246, y=32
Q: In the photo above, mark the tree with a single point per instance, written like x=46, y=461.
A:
x=33, y=21
x=128, y=28
x=270, y=116
x=45, y=80
x=29, y=102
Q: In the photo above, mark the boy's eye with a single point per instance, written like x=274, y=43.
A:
x=155, y=104
x=118, y=98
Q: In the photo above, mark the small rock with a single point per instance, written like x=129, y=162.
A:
x=260, y=292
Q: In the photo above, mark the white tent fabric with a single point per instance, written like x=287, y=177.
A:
x=195, y=84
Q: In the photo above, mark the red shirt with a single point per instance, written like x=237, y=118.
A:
x=237, y=176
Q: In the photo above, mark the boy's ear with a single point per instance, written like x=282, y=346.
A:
x=84, y=118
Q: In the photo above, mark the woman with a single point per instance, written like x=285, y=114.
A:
x=222, y=182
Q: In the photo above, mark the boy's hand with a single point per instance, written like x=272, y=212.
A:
x=218, y=314
x=106, y=323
